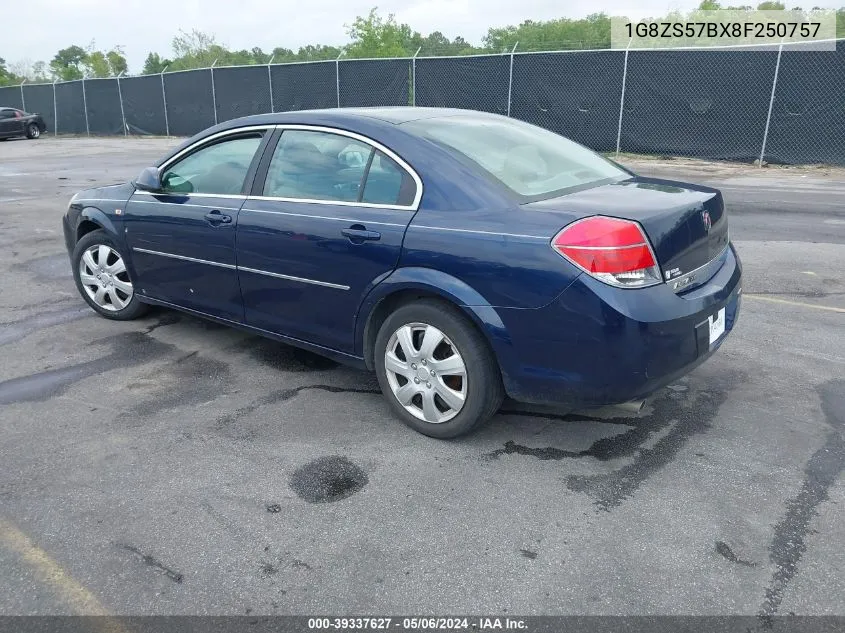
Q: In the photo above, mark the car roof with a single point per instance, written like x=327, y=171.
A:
x=394, y=115
x=397, y=114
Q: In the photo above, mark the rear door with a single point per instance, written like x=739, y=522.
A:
x=183, y=238
x=20, y=121
x=325, y=224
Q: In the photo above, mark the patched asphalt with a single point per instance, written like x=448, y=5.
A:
x=174, y=466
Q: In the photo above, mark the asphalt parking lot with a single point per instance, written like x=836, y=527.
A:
x=173, y=466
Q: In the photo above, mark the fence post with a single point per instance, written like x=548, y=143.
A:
x=622, y=100
x=414, y=77
x=55, y=112
x=510, y=78
x=85, y=106
x=122, y=112
x=337, y=76
x=164, y=101
x=771, y=103
x=213, y=93
x=23, y=100
x=270, y=81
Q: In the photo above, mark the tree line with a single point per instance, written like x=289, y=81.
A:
x=370, y=36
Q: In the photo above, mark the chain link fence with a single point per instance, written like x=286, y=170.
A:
x=574, y=94
x=144, y=105
x=474, y=82
x=773, y=103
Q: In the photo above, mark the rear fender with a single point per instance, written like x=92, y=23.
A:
x=432, y=282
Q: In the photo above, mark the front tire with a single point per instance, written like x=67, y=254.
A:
x=101, y=276
x=33, y=131
x=436, y=370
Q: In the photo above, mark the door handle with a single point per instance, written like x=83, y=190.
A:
x=216, y=217
x=358, y=234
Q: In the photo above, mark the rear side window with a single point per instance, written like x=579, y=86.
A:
x=313, y=165
x=388, y=183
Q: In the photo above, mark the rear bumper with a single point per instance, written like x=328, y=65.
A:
x=597, y=345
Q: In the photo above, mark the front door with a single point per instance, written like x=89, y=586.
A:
x=182, y=239
x=10, y=122
x=327, y=226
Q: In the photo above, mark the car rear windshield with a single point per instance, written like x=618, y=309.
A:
x=532, y=162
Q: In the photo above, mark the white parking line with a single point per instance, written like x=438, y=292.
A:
x=816, y=355
x=794, y=303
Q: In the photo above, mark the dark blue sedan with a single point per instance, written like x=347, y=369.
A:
x=463, y=256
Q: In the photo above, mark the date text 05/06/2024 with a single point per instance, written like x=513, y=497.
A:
x=419, y=624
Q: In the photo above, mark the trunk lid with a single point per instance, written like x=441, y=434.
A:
x=686, y=224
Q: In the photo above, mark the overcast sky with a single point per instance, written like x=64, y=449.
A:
x=141, y=26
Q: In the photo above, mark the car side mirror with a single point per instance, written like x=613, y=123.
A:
x=148, y=180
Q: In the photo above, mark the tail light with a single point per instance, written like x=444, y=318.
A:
x=614, y=251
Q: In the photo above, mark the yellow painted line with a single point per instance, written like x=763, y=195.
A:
x=795, y=303
x=74, y=594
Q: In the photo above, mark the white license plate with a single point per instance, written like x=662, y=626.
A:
x=717, y=326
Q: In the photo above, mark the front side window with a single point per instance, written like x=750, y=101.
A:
x=7, y=114
x=532, y=162
x=219, y=169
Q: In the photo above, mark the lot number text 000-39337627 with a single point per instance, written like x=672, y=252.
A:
x=417, y=623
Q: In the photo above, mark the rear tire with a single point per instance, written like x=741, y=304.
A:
x=33, y=131
x=101, y=276
x=436, y=370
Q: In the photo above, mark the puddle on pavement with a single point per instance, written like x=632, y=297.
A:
x=328, y=479
x=127, y=350
x=16, y=330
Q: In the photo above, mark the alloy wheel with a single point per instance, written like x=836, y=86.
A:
x=103, y=274
x=426, y=373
